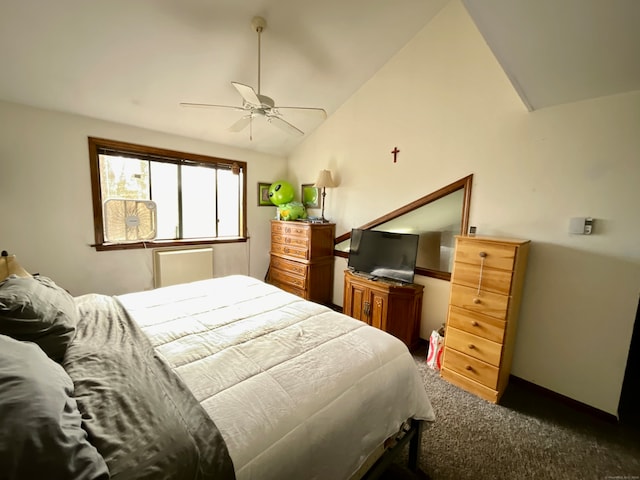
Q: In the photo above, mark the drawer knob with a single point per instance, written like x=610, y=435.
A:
x=476, y=300
x=474, y=323
x=468, y=367
x=471, y=346
x=483, y=254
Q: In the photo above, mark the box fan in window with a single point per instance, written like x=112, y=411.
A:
x=128, y=220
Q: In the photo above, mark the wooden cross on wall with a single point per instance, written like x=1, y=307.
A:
x=395, y=152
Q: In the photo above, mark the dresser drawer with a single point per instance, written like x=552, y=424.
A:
x=296, y=268
x=469, y=385
x=493, y=280
x=301, y=242
x=291, y=251
x=474, y=346
x=496, y=255
x=487, y=303
x=287, y=278
x=299, y=230
x=290, y=288
x=472, y=368
x=476, y=324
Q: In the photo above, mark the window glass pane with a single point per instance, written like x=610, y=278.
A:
x=122, y=177
x=198, y=202
x=164, y=191
x=230, y=203
x=125, y=181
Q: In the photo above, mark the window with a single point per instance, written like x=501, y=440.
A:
x=145, y=196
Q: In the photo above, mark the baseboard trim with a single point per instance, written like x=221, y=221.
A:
x=577, y=405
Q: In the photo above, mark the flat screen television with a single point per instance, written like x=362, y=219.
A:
x=383, y=254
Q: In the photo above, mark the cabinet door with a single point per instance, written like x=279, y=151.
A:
x=377, y=308
x=355, y=301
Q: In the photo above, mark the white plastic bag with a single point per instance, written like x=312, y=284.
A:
x=436, y=348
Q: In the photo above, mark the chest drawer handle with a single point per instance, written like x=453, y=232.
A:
x=468, y=367
x=471, y=346
x=477, y=301
x=474, y=323
x=482, y=257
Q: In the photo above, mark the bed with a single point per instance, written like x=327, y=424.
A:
x=221, y=378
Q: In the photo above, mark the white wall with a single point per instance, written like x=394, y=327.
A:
x=449, y=108
x=447, y=105
x=47, y=215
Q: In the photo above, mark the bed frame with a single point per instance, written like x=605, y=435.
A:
x=411, y=433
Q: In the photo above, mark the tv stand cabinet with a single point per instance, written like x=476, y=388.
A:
x=393, y=307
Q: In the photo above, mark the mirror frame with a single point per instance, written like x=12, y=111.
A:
x=464, y=183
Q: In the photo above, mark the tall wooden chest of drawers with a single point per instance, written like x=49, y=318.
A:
x=486, y=287
x=302, y=259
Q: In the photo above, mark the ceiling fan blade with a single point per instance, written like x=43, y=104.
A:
x=284, y=125
x=209, y=105
x=248, y=93
x=240, y=124
x=309, y=109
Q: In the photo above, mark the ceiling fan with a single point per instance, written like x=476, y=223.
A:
x=255, y=105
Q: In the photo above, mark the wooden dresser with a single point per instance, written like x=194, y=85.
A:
x=390, y=306
x=302, y=259
x=486, y=286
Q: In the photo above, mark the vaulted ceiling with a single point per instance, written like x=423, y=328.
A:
x=133, y=62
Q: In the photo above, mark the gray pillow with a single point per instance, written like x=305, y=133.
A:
x=35, y=309
x=40, y=425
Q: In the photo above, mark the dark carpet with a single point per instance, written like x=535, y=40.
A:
x=529, y=435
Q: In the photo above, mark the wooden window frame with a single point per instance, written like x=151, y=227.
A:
x=97, y=145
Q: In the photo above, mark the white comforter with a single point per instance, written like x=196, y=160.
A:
x=297, y=390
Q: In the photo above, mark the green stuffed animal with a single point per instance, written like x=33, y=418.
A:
x=292, y=211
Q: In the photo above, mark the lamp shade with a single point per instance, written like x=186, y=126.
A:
x=324, y=179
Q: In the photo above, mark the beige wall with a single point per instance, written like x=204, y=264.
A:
x=449, y=108
x=47, y=215
x=447, y=105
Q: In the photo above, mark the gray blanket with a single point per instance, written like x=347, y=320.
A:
x=137, y=412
